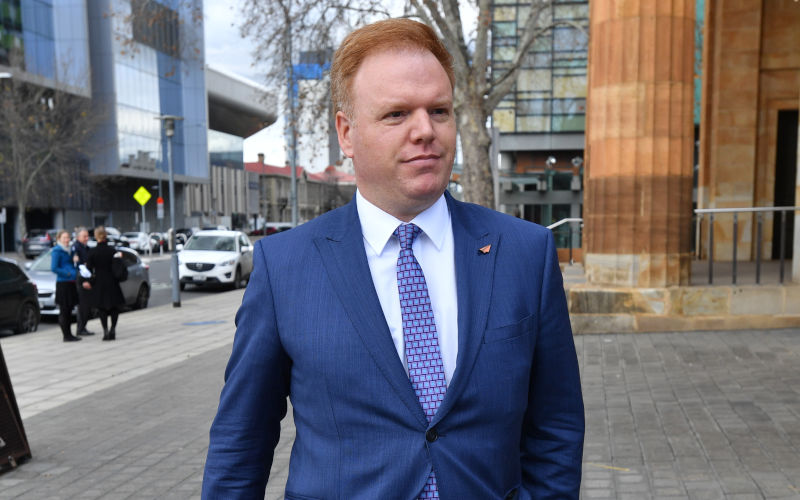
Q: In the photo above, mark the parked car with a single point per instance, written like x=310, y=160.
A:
x=271, y=228
x=114, y=238
x=139, y=241
x=136, y=289
x=158, y=240
x=38, y=241
x=216, y=258
x=183, y=234
x=19, y=307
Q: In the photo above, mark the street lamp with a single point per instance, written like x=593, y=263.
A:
x=3, y=75
x=169, y=130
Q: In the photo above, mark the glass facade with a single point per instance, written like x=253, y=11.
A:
x=550, y=94
x=225, y=150
x=157, y=60
x=47, y=38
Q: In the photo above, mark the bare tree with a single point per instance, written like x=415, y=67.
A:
x=314, y=24
x=44, y=133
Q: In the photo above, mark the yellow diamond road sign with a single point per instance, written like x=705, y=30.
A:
x=141, y=195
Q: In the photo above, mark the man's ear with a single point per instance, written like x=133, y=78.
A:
x=344, y=129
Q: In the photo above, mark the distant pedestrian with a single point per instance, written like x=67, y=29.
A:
x=108, y=298
x=66, y=293
x=80, y=253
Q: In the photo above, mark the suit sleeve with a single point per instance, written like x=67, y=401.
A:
x=253, y=401
x=552, y=437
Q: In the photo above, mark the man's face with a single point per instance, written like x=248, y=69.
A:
x=402, y=135
x=83, y=237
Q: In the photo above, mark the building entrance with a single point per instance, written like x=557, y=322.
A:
x=785, y=180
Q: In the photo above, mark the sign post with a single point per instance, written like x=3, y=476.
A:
x=142, y=196
x=3, y=230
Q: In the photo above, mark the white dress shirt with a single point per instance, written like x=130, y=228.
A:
x=433, y=249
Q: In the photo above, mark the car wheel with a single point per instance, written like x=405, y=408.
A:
x=28, y=319
x=237, y=279
x=183, y=286
x=142, y=297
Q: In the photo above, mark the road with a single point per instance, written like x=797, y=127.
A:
x=160, y=293
x=161, y=285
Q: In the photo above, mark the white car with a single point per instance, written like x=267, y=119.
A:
x=138, y=241
x=216, y=258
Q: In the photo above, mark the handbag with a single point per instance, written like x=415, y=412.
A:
x=118, y=269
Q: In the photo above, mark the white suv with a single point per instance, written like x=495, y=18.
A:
x=216, y=258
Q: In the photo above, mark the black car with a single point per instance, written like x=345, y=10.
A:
x=38, y=241
x=19, y=304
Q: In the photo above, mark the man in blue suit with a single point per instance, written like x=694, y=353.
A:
x=424, y=343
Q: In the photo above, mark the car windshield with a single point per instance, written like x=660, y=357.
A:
x=42, y=263
x=131, y=235
x=218, y=243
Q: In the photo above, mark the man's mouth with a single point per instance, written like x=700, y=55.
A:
x=422, y=158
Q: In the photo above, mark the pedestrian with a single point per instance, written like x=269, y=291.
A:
x=80, y=253
x=66, y=291
x=424, y=342
x=108, y=298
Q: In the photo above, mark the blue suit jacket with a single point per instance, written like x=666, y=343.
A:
x=311, y=327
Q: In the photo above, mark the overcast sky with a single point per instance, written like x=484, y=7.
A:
x=228, y=51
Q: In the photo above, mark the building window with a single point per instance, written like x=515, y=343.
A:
x=550, y=93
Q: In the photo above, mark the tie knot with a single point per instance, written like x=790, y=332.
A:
x=406, y=233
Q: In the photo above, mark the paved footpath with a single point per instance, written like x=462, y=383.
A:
x=676, y=415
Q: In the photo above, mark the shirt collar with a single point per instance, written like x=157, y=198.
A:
x=377, y=226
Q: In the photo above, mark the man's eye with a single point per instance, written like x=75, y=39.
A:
x=395, y=114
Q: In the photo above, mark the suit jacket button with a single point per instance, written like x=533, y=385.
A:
x=431, y=435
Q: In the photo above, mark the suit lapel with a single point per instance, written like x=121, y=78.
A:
x=474, y=264
x=345, y=260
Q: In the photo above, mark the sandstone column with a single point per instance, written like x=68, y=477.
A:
x=639, y=143
x=796, y=241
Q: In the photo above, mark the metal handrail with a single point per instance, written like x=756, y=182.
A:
x=759, y=211
x=564, y=221
x=569, y=235
x=748, y=209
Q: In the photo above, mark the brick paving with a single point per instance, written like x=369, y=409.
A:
x=700, y=415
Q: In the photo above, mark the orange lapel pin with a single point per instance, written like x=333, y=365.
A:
x=485, y=250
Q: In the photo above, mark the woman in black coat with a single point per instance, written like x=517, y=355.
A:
x=108, y=298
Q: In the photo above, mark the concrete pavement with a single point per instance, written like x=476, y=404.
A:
x=669, y=415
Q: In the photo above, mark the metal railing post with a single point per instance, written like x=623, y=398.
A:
x=569, y=226
x=711, y=249
x=783, y=238
x=735, y=243
x=758, y=248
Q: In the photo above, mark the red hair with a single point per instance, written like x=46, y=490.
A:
x=389, y=34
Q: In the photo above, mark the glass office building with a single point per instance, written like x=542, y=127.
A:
x=544, y=116
x=148, y=61
x=48, y=40
x=550, y=95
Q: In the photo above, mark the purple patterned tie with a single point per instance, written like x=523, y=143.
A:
x=425, y=367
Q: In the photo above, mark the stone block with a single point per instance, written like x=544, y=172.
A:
x=702, y=301
x=654, y=300
x=791, y=299
x=756, y=300
x=601, y=301
x=602, y=323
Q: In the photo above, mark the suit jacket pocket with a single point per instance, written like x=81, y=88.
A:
x=510, y=332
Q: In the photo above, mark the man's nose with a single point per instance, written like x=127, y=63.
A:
x=421, y=127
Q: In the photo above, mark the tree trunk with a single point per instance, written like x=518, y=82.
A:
x=21, y=226
x=476, y=178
